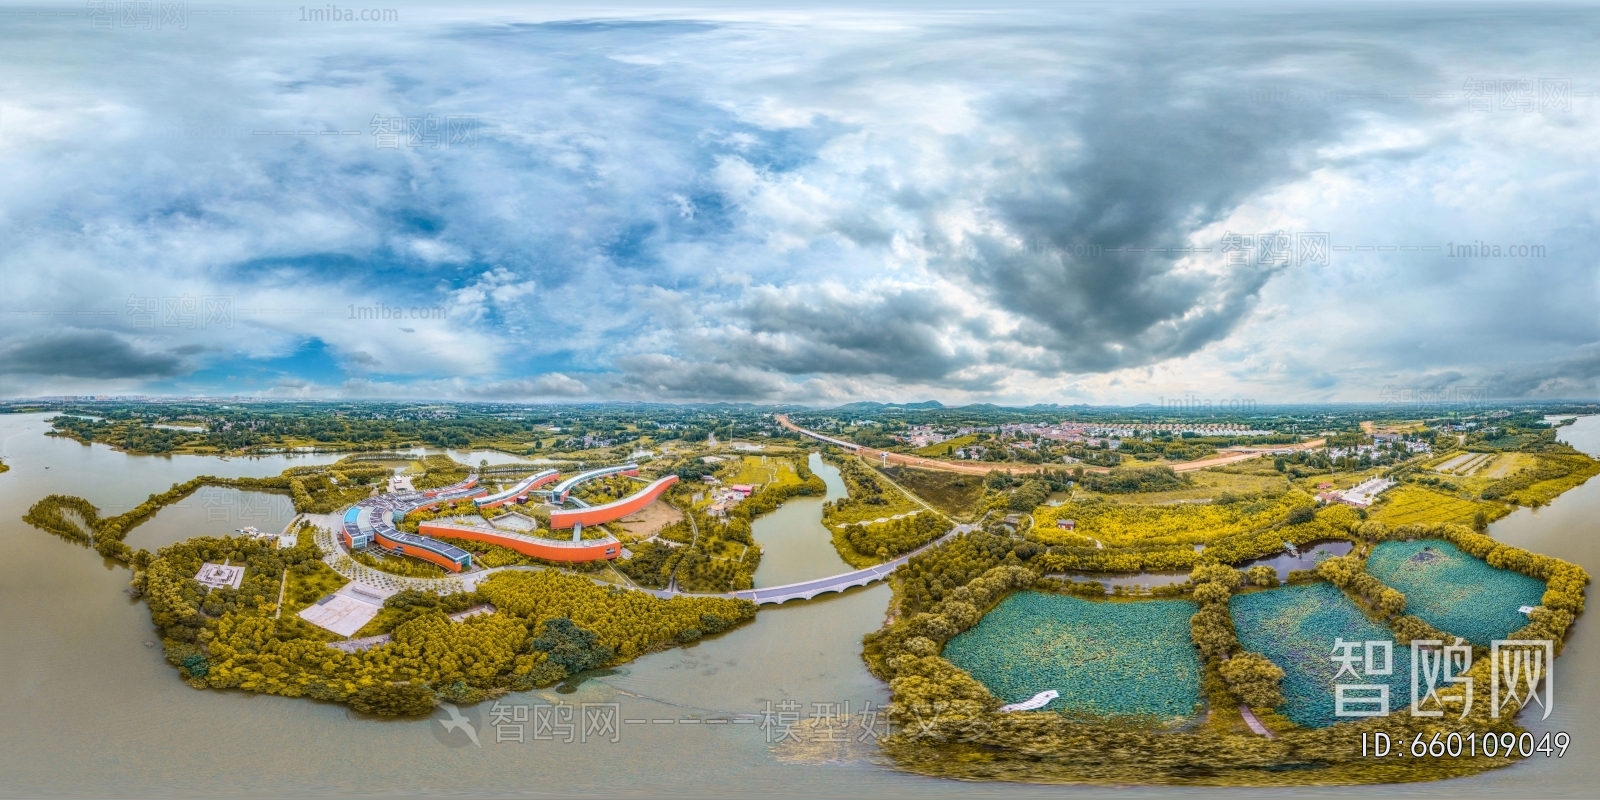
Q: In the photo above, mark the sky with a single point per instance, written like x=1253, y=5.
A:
x=1082, y=204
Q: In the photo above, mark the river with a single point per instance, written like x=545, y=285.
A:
x=90, y=709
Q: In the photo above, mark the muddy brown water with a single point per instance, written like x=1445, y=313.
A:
x=89, y=709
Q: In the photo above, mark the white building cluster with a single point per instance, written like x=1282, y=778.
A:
x=1361, y=495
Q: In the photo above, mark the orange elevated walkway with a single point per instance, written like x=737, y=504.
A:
x=547, y=549
x=595, y=515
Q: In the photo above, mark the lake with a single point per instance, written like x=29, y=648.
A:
x=92, y=710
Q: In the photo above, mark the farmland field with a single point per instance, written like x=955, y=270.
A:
x=1122, y=659
x=1410, y=504
x=943, y=448
x=1124, y=524
x=1505, y=464
x=870, y=497
x=1453, y=591
x=1296, y=627
x=1212, y=483
x=954, y=493
x=761, y=470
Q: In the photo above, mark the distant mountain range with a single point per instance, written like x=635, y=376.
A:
x=870, y=406
x=932, y=404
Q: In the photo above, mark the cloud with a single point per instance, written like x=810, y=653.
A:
x=657, y=375
x=551, y=385
x=846, y=206
x=76, y=353
x=906, y=333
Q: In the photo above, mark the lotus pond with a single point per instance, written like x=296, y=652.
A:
x=1296, y=627
x=1453, y=591
x=1105, y=658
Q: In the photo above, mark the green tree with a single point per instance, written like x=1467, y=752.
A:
x=575, y=649
x=394, y=700
x=1261, y=575
x=1253, y=679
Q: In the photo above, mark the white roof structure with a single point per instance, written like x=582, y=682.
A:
x=217, y=576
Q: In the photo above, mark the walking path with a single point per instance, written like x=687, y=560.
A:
x=367, y=642
x=1255, y=724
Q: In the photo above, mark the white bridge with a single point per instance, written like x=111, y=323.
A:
x=805, y=590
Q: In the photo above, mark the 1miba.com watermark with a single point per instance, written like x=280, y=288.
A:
x=381, y=311
x=333, y=13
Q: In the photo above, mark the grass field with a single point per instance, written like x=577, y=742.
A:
x=940, y=449
x=1505, y=464
x=1209, y=484
x=303, y=590
x=871, y=496
x=1105, y=658
x=1126, y=524
x=954, y=493
x=1410, y=504
x=1579, y=469
x=1453, y=591
x=761, y=470
x=1296, y=627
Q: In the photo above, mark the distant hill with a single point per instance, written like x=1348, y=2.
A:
x=871, y=406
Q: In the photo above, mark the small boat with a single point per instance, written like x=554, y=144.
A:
x=1035, y=702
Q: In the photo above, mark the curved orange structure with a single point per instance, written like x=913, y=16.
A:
x=594, y=515
x=563, y=490
x=547, y=549
x=518, y=492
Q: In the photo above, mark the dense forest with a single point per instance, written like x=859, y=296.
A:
x=165, y=427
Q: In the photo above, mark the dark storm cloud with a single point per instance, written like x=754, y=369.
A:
x=1571, y=375
x=901, y=333
x=76, y=353
x=1172, y=133
x=668, y=377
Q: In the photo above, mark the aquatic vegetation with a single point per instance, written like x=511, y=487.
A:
x=1296, y=628
x=1104, y=658
x=1453, y=591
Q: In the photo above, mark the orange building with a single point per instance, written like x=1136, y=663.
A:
x=445, y=555
x=519, y=492
x=547, y=549
x=595, y=515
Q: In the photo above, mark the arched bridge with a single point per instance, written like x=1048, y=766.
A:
x=805, y=590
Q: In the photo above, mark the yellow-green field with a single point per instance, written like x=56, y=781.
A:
x=776, y=471
x=1128, y=524
x=954, y=493
x=303, y=590
x=871, y=496
x=760, y=471
x=1211, y=483
x=936, y=450
x=1416, y=505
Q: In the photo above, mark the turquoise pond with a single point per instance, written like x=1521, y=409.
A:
x=1296, y=627
x=1105, y=658
x=1453, y=591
